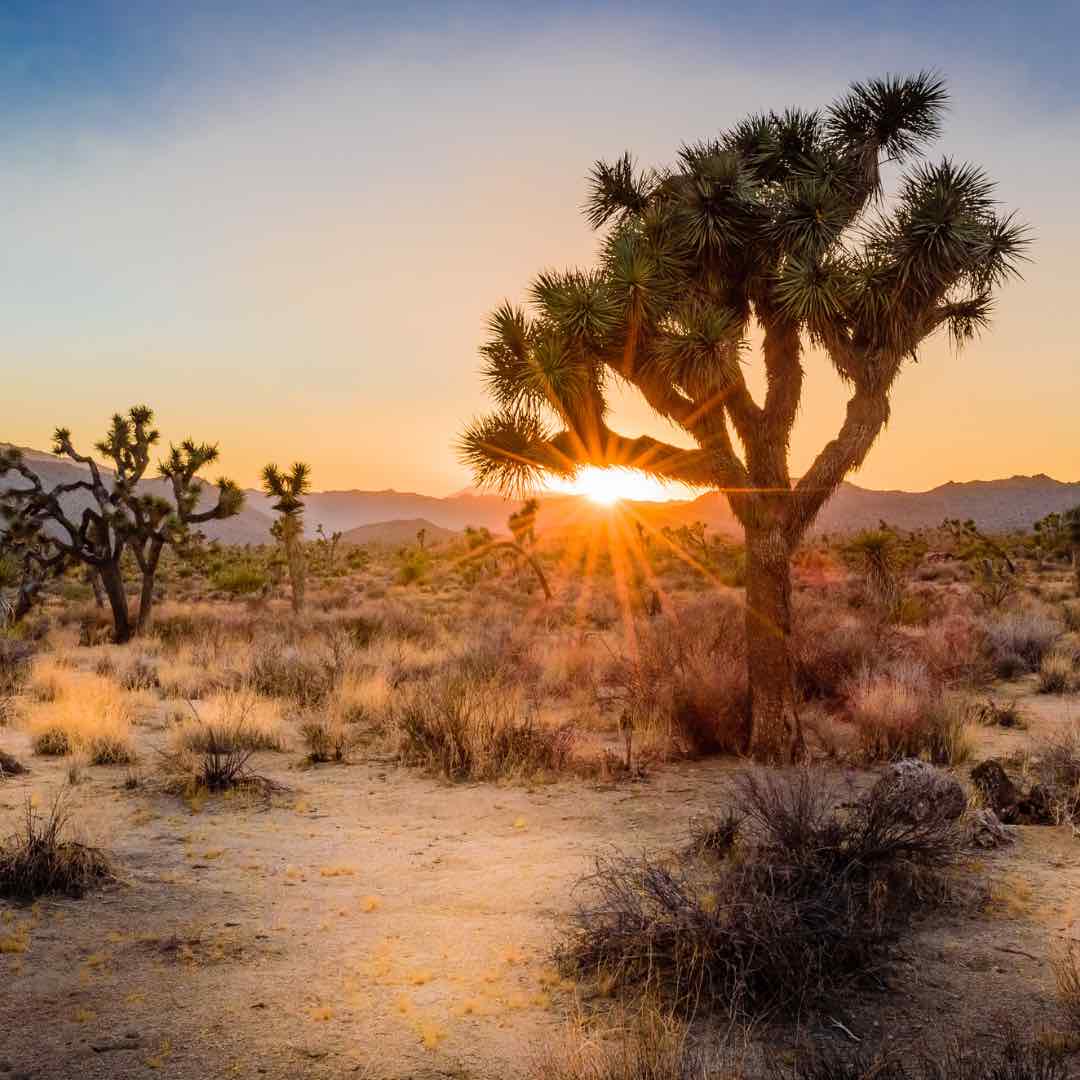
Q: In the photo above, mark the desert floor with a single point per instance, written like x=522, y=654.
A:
x=368, y=920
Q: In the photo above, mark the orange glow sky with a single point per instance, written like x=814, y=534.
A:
x=292, y=249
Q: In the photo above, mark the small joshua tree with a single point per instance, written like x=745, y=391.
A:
x=33, y=558
x=119, y=513
x=522, y=525
x=778, y=225
x=288, y=488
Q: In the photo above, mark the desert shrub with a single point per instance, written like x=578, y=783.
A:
x=415, y=567
x=686, y=679
x=648, y=1046
x=1055, y=765
x=1018, y=640
x=952, y=647
x=830, y=647
x=51, y=742
x=814, y=896
x=327, y=738
x=901, y=713
x=110, y=748
x=476, y=731
x=239, y=578
x=37, y=859
x=237, y=720
x=284, y=671
x=1006, y=714
x=1057, y=674
x=138, y=672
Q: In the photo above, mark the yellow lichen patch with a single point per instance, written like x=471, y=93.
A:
x=370, y=904
x=420, y=978
x=337, y=871
x=83, y=1016
x=321, y=1013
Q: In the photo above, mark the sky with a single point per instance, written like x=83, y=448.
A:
x=283, y=225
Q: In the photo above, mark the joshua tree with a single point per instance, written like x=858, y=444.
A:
x=876, y=549
x=120, y=513
x=777, y=225
x=522, y=524
x=33, y=558
x=1072, y=517
x=329, y=543
x=288, y=488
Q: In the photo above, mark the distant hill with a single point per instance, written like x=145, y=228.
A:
x=996, y=505
x=401, y=531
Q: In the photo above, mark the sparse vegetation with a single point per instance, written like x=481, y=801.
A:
x=814, y=899
x=38, y=859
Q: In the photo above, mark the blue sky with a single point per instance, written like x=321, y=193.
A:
x=283, y=224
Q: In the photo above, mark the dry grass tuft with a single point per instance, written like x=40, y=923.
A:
x=901, y=713
x=1066, y=964
x=37, y=860
x=469, y=730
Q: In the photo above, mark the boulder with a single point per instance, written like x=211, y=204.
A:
x=930, y=793
x=1011, y=804
x=9, y=766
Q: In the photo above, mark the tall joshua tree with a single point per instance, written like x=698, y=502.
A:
x=288, y=488
x=121, y=514
x=779, y=226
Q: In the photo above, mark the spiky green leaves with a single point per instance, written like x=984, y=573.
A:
x=287, y=487
x=617, y=191
x=896, y=115
x=531, y=366
x=698, y=349
x=510, y=451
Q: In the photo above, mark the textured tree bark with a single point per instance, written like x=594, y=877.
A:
x=93, y=579
x=113, y=582
x=146, y=596
x=775, y=733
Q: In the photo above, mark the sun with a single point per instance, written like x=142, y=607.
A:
x=609, y=486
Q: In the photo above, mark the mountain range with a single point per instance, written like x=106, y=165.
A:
x=995, y=505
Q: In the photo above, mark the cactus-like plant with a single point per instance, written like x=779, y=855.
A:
x=288, y=489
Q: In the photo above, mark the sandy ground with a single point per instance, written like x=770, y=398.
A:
x=371, y=921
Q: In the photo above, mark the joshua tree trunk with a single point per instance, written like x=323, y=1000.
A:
x=776, y=734
x=113, y=582
x=93, y=579
x=149, y=565
x=24, y=602
x=294, y=554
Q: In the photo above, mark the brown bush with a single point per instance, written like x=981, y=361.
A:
x=814, y=897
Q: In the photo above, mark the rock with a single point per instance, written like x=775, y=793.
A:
x=930, y=792
x=996, y=788
x=1011, y=804
x=985, y=830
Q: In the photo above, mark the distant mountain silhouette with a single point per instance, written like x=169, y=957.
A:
x=397, y=532
x=1012, y=503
